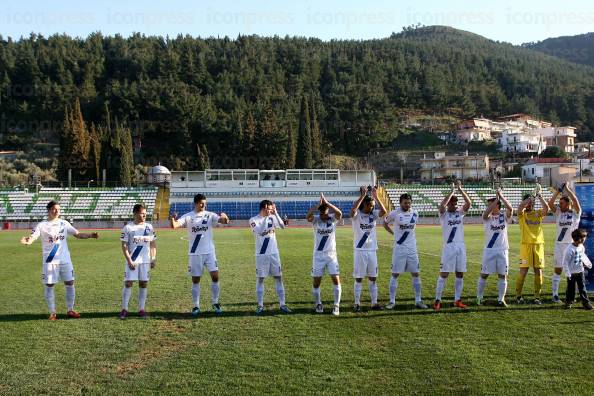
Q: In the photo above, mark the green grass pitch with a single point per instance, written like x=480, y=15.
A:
x=520, y=350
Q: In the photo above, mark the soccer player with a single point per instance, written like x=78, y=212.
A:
x=574, y=261
x=268, y=261
x=56, y=263
x=404, y=255
x=324, y=253
x=364, y=220
x=532, y=244
x=453, y=255
x=140, y=251
x=567, y=218
x=201, y=249
x=495, y=252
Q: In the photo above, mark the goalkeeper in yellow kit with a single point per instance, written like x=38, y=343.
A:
x=532, y=244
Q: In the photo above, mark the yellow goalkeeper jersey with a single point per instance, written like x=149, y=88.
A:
x=531, y=226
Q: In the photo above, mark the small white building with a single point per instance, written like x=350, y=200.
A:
x=521, y=141
x=547, y=171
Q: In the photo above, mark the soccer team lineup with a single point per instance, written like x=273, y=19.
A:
x=139, y=251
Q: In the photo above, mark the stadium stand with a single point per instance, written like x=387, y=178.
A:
x=76, y=203
x=245, y=209
x=239, y=192
x=426, y=198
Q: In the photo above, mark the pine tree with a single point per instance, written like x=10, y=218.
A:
x=304, y=149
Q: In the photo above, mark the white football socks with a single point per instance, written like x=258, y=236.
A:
x=480, y=287
x=142, y=292
x=315, y=291
x=501, y=289
x=372, y=291
x=358, y=288
x=50, y=298
x=337, y=294
x=70, y=295
x=196, y=294
x=556, y=282
x=260, y=291
x=214, y=292
x=441, y=282
x=280, y=292
x=393, y=288
x=126, y=294
x=416, y=282
x=459, y=285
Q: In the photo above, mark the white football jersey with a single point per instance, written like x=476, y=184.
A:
x=575, y=259
x=496, y=232
x=324, y=235
x=364, y=230
x=54, y=245
x=404, y=227
x=264, y=231
x=452, y=226
x=566, y=223
x=138, y=239
x=200, y=227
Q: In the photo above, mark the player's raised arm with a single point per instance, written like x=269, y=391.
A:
x=355, y=208
x=311, y=213
x=27, y=240
x=387, y=221
x=278, y=222
x=551, y=204
x=509, y=210
x=489, y=209
x=467, y=200
x=524, y=204
x=545, y=207
x=223, y=218
x=333, y=208
x=86, y=235
x=382, y=209
x=444, y=202
x=574, y=199
x=175, y=224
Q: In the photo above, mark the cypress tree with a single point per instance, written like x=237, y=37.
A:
x=316, y=136
x=304, y=149
x=126, y=155
x=291, y=146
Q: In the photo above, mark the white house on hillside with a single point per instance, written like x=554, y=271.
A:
x=521, y=141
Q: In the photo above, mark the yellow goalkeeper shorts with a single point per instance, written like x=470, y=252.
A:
x=532, y=255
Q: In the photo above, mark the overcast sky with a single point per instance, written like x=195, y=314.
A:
x=511, y=21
